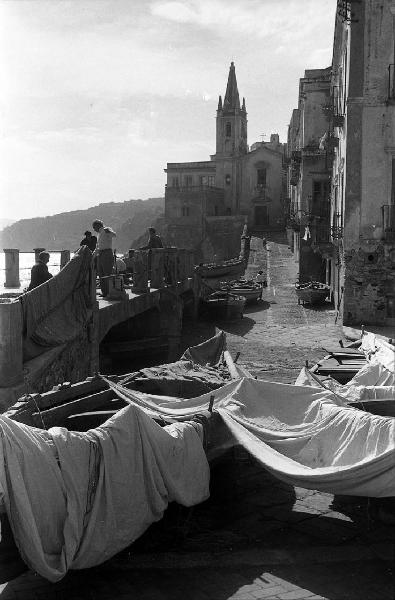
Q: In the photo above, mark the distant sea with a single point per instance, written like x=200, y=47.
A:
x=26, y=261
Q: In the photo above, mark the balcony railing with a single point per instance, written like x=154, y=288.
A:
x=296, y=156
x=391, y=82
x=313, y=151
x=389, y=222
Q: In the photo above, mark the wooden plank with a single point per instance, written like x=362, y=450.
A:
x=231, y=365
x=72, y=392
x=53, y=416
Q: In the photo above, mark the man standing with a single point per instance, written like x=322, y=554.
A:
x=89, y=240
x=39, y=272
x=103, y=252
x=154, y=240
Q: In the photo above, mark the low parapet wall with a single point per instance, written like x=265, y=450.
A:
x=160, y=278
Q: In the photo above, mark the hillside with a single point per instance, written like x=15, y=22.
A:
x=6, y=222
x=64, y=231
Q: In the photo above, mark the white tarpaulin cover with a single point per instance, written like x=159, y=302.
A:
x=305, y=436
x=350, y=392
x=75, y=499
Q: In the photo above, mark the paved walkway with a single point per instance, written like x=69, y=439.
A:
x=256, y=537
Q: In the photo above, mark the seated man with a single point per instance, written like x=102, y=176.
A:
x=89, y=240
x=39, y=272
x=154, y=240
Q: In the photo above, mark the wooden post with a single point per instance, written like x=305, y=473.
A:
x=64, y=258
x=181, y=264
x=37, y=252
x=157, y=267
x=11, y=350
x=11, y=268
x=171, y=266
x=140, y=271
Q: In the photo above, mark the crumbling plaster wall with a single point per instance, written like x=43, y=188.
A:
x=369, y=279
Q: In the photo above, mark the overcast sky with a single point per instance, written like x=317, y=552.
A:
x=97, y=96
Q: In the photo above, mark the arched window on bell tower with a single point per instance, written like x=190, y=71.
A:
x=228, y=130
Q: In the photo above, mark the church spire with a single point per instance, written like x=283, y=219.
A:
x=219, y=103
x=232, y=100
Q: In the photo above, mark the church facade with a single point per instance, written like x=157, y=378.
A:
x=237, y=185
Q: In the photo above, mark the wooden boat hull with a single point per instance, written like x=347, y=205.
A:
x=341, y=366
x=311, y=293
x=251, y=294
x=221, y=269
x=224, y=305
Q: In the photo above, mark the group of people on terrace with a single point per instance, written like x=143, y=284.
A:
x=102, y=253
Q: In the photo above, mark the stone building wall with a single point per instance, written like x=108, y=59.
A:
x=369, y=281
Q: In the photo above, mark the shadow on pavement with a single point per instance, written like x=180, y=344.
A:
x=239, y=327
x=257, y=307
x=301, y=545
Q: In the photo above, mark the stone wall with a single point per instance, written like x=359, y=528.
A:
x=71, y=364
x=222, y=237
x=216, y=238
x=369, y=283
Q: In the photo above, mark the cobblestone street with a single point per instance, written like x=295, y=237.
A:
x=256, y=537
x=279, y=335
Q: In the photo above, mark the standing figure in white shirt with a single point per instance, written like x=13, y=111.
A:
x=261, y=280
x=103, y=252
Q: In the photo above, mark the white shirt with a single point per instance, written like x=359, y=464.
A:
x=104, y=238
x=121, y=265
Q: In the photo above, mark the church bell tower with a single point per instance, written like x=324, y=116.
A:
x=231, y=121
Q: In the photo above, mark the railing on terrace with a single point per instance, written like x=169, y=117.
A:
x=391, y=82
x=313, y=151
x=389, y=221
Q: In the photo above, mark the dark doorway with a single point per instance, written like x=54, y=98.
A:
x=261, y=217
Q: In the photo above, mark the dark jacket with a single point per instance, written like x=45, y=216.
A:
x=39, y=274
x=90, y=242
x=153, y=242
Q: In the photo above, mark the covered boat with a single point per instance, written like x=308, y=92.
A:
x=371, y=388
x=89, y=403
x=225, y=305
x=248, y=289
x=80, y=508
x=221, y=268
x=340, y=364
x=313, y=292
